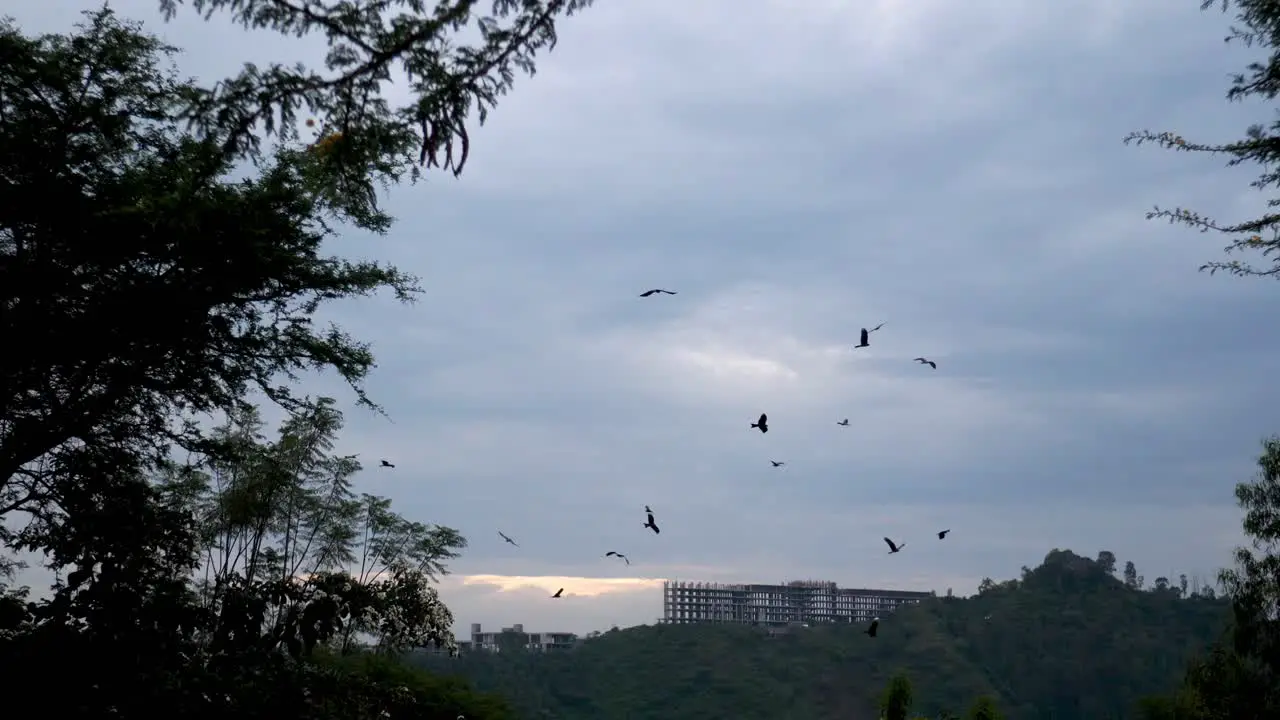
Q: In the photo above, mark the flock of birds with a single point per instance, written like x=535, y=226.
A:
x=761, y=424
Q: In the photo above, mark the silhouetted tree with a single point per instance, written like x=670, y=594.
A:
x=1107, y=561
x=1131, y=575
x=897, y=699
x=984, y=708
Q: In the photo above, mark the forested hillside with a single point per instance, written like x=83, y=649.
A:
x=1068, y=641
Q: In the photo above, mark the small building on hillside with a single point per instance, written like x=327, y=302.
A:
x=515, y=637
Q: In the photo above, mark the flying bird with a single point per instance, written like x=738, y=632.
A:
x=942, y=535
x=651, y=524
x=558, y=593
x=387, y=464
x=762, y=423
x=875, y=625
x=864, y=341
x=894, y=548
x=777, y=464
x=657, y=291
x=926, y=361
x=509, y=540
x=617, y=554
x=844, y=422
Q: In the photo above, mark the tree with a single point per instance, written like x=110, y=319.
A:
x=1131, y=575
x=1162, y=584
x=1254, y=588
x=280, y=521
x=896, y=702
x=102, y=140
x=1182, y=585
x=1107, y=561
x=1258, y=25
x=984, y=708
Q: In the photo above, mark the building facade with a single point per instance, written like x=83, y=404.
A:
x=516, y=637
x=801, y=601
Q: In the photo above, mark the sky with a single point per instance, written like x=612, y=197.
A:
x=953, y=170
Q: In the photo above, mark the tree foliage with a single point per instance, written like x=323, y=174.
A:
x=897, y=699
x=1257, y=25
x=145, y=283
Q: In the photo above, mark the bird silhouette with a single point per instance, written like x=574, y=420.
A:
x=657, y=291
x=617, y=554
x=864, y=340
x=558, y=592
x=894, y=548
x=387, y=464
x=844, y=422
x=875, y=625
x=762, y=423
x=926, y=361
x=777, y=464
x=942, y=535
x=509, y=540
x=651, y=524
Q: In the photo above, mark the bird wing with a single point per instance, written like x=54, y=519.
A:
x=650, y=517
x=610, y=553
x=890, y=544
x=864, y=336
x=763, y=419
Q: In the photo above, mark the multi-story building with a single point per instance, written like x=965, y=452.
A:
x=515, y=636
x=801, y=601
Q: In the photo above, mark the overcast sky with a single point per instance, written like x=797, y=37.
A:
x=954, y=170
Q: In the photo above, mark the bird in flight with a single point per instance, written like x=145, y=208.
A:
x=762, y=423
x=617, y=554
x=657, y=291
x=650, y=523
x=561, y=590
x=864, y=340
x=894, y=548
x=926, y=361
x=777, y=464
x=844, y=422
x=942, y=535
x=509, y=540
x=875, y=625
x=387, y=464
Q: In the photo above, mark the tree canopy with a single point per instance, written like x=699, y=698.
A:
x=161, y=263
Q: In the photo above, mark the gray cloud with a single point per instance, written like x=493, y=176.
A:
x=953, y=170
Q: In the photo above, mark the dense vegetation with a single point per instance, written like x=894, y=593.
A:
x=1067, y=641
x=160, y=263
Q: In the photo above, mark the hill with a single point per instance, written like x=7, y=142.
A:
x=1068, y=641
